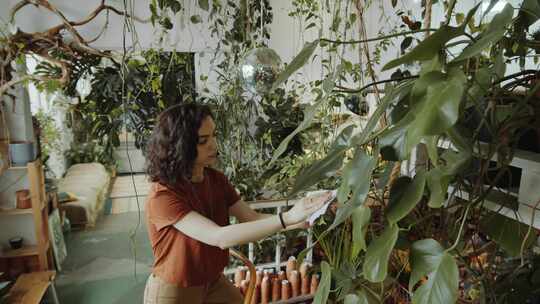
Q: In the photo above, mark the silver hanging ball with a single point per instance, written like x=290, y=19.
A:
x=259, y=69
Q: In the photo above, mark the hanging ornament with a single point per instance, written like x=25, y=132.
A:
x=259, y=69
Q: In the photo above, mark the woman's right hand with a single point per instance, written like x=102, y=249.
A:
x=305, y=207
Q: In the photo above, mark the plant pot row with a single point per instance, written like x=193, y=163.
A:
x=293, y=282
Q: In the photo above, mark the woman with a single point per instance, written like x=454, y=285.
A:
x=188, y=208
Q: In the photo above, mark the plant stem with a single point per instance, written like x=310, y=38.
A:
x=525, y=72
x=427, y=18
x=460, y=229
x=378, y=38
x=524, y=242
x=450, y=10
x=348, y=90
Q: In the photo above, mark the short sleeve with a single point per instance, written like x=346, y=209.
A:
x=166, y=208
x=229, y=193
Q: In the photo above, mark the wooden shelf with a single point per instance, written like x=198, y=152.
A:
x=14, y=211
x=17, y=211
x=27, y=250
x=23, y=251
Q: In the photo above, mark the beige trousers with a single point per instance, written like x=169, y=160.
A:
x=221, y=291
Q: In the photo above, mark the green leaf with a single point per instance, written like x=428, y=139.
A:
x=425, y=81
x=298, y=62
x=480, y=86
x=323, y=168
x=399, y=208
x=309, y=114
x=312, y=24
x=195, y=19
x=356, y=178
x=470, y=17
x=461, y=142
x=428, y=48
x=407, y=41
x=175, y=6
x=321, y=296
x=493, y=33
x=393, y=141
x=429, y=258
x=499, y=66
x=506, y=232
x=358, y=298
x=433, y=149
x=454, y=162
x=204, y=4
x=352, y=174
x=439, y=109
x=360, y=219
x=437, y=183
x=153, y=11
x=460, y=17
x=434, y=64
x=393, y=95
x=330, y=81
x=375, y=265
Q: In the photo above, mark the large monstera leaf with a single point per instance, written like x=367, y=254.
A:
x=428, y=258
x=438, y=110
x=375, y=265
x=356, y=178
x=434, y=108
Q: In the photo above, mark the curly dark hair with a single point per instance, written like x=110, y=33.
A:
x=172, y=147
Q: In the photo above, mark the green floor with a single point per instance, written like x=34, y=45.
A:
x=100, y=266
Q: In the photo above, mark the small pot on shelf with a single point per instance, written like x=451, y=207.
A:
x=16, y=242
x=24, y=200
x=21, y=152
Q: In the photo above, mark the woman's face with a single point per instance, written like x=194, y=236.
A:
x=206, y=145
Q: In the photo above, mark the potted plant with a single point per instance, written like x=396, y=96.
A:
x=419, y=238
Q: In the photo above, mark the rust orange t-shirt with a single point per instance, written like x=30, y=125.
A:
x=179, y=259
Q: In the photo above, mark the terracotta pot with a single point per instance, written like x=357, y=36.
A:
x=291, y=266
x=306, y=284
x=295, y=283
x=24, y=200
x=285, y=290
x=314, y=284
x=266, y=290
x=239, y=275
x=276, y=289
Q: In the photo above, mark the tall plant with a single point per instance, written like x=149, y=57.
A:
x=413, y=240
